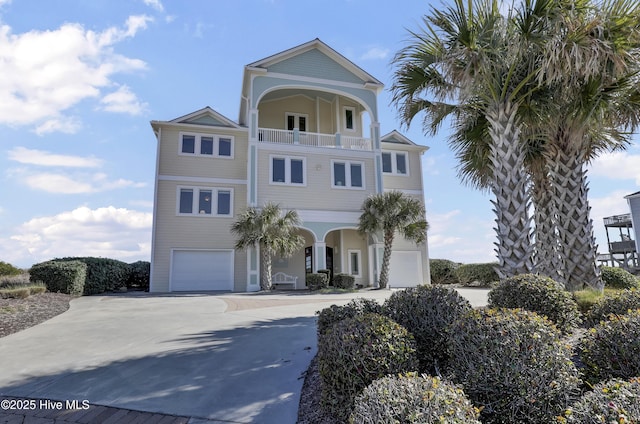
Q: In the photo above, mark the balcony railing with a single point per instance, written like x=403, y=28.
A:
x=618, y=220
x=626, y=246
x=303, y=138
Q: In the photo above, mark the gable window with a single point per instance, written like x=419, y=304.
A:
x=210, y=145
x=395, y=163
x=287, y=170
x=349, y=119
x=354, y=262
x=347, y=174
x=203, y=201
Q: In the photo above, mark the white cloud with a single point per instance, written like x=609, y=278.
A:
x=617, y=166
x=78, y=183
x=44, y=158
x=155, y=4
x=67, y=125
x=110, y=232
x=123, y=101
x=44, y=73
x=375, y=53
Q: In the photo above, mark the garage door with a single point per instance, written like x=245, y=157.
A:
x=202, y=270
x=406, y=269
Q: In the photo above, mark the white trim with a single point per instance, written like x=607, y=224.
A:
x=287, y=170
x=204, y=127
x=359, y=262
x=406, y=191
x=324, y=150
x=296, y=117
x=215, y=192
x=338, y=217
x=154, y=222
x=215, y=140
x=394, y=163
x=347, y=172
x=320, y=81
x=353, y=119
x=203, y=180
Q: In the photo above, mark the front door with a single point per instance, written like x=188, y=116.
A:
x=329, y=263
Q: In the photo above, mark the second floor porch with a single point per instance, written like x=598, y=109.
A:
x=311, y=139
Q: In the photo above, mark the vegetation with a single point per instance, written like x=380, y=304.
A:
x=271, y=229
x=6, y=269
x=392, y=212
x=61, y=276
x=537, y=294
x=443, y=271
x=616, y=303
x=618, y=278
x=413, y=398
x=344, y=281
x=513, y=365
x=477, y=274
x=139, y=275
x=355, y=352
x=610, y=349
x=427, y=312
x=21, y=291
x=356, y=307
x=103, y=274
x=317, y=281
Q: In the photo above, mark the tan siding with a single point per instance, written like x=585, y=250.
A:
x=411, y=182
x=351, y=239
x=273, y=113
x=327, y=118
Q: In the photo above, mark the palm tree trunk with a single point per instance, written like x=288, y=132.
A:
x=578, y=249
x=546, y=258
x=386, y=258
x=509, y=186
x=265, y=284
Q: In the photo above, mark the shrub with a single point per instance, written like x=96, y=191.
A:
x=139, y=275
x=103, y=274
x=344, y=281
x=64, y=277
x=618, y=278
x=613, y=401
x=539, y=294
x=15, y=293
x=443, y=271
x=513, y=365
x=477, y=274
x=327, y=272
x=427, y=312
x=612, y=349
x=356, y=351
x=410, y=398
x=317, y=281
x=617, y=303
x=334, y=313
x=8, y=269
x=37, y=288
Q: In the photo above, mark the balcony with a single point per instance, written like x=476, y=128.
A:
x=623, y=220
x=625, y=246
x=309, y=139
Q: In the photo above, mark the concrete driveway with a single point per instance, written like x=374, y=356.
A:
x=236, y=358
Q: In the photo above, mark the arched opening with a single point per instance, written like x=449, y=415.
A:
x=348, y=252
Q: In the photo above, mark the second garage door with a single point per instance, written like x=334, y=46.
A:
x=202, y=270
x=405, y=269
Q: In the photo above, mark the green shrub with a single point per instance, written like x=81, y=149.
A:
x=317, y=281
x=410, y=398
x=612, y=349
x=617, y=303
x=328, y=273
x=614, y=401
x=8, y=269
x=618, y=278
x=427, y=312
x=539, y=294
x=443, y=271
x=344, y=281
x=334, y=313
x=513, y=365
x=139, y=275
x=356, y=351
x=477, y=274
x=103, y=274
x=61, y=276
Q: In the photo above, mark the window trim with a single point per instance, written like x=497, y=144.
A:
x=347, y=176
x=353, y=115
x=394, y=163
x=358, y=252
x=198, y=143
x=196, y=199
x=296, y=118
x=287, y=170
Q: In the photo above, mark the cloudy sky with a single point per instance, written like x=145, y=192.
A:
x=80, y=81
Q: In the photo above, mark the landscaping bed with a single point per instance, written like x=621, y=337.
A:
x=19, y=314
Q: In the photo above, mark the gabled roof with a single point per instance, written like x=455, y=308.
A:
x=636, y=194
x=396, y=137
x=205, y=116
x=323, y=48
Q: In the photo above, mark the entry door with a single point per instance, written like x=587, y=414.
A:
x=296, y=121
x=329, y=263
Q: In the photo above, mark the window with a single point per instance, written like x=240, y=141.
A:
x=287, y=170
x=349, y=119
x=354, y=262
x=206, y=145
x=347, y=174
x=394, y=163
x=204, y=201
x=296, y=120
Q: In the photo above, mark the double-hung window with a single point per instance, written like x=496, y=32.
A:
x=205, y=201
x=347, y=174
x=206, y=145
x=287, y=170
x=395, y=163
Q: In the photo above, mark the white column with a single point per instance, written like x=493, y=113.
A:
x=320, y=254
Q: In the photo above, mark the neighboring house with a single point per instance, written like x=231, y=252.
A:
x=300, y=141
x=624, y=239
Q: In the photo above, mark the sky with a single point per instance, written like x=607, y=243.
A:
x=81, y=80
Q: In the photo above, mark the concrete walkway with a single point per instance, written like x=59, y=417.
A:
x=234, y=358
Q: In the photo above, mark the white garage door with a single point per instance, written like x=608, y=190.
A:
x=406, y=269
x=202, y=270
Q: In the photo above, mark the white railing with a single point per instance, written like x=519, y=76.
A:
x=333, y=141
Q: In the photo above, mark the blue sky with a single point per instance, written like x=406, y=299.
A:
x=82, y=79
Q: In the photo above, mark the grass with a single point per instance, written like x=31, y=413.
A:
x=19, y=287
x=587, y=297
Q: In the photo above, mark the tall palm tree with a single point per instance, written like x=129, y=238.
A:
x=392, y=212
x=270, y=229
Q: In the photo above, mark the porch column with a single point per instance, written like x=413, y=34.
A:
x=377, y=150
x=376, y=252
x=320, y=253
x=252, y=160
x=253, y=269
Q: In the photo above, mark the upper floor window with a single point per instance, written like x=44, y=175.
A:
x=349, y=118
x=296, y=120
x=205, y=201
x=347, y=174
x=206, y=145
x=395, y=163
x=287, y=170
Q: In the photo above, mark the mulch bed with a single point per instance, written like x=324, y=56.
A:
x=19, y=314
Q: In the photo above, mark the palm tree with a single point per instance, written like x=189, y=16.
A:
x=270, y=229
x=392, y=212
